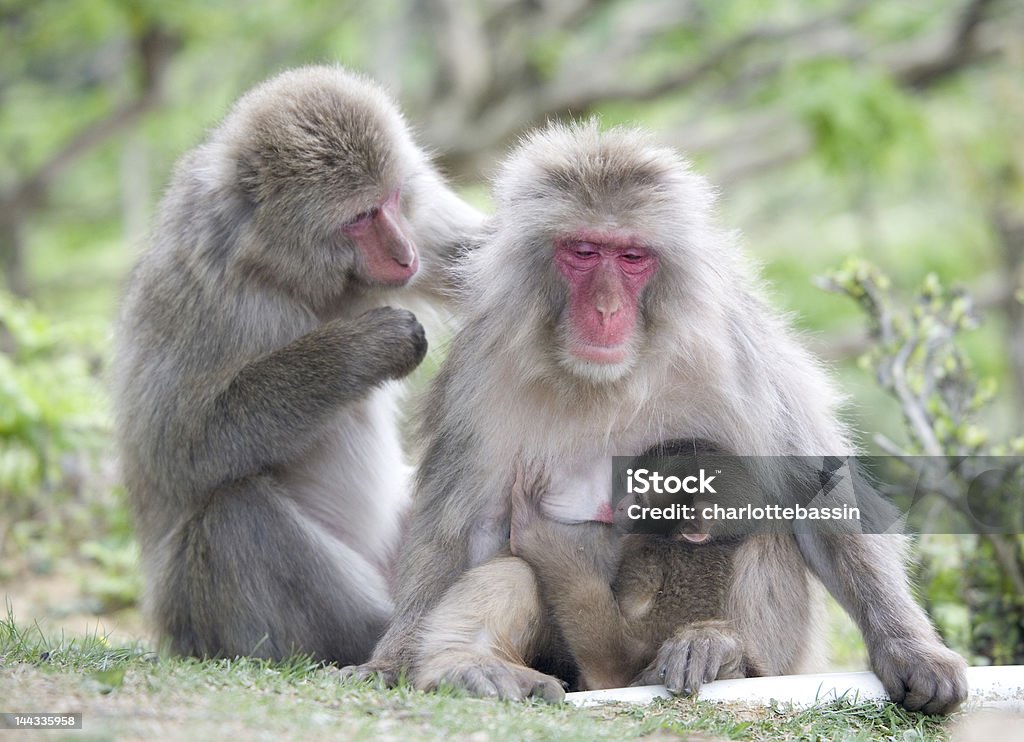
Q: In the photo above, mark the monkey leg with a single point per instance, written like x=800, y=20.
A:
x=776, y=605
x=249, y=574
x=698, y=653
x=484, y=631
x=867, y=575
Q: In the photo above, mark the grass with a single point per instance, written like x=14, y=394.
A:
x=129, y=692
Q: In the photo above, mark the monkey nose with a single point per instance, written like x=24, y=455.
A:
x=403, y=252
x=607, y=311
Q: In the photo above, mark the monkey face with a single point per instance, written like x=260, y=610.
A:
x=604, y=273
x=383, y=243
x=325, y=164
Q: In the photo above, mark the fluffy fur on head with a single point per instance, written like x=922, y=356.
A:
x=296, y=158
x=709, y=357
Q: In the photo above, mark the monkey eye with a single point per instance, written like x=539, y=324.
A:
x=361, y=221
x=633, y=261
x=585, y=251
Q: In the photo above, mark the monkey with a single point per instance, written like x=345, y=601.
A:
x=622, y=315
x=618, y=596
x=256, y=356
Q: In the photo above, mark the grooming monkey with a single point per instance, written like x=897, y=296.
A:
x=257, y=429
x=623, y=316
x=618, y=597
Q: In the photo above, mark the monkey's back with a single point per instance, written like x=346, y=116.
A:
x=664, y=584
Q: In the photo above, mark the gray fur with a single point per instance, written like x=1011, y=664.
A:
x=711, y=361
x=256, y=425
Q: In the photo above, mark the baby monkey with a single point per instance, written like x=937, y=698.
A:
x=636, y=607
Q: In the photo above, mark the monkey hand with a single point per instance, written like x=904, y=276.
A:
x=921, y=675
x=532, y=532
x=696, y=654
x=393, y=341
x=528, y=529
x=541, y=541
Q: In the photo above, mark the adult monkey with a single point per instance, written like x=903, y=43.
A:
x=258, y=438
x=622, y=316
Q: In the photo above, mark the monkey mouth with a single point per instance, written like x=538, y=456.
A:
x=605, y=354
x=394, y=273
x=695, y=538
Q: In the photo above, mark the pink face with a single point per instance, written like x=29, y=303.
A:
x=606, y=273
x=382, y=237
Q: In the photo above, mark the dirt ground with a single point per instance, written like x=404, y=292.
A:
x=55, y=602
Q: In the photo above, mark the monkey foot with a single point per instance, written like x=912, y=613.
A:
x=921, y=676
x=382, y=674
x=487, y=677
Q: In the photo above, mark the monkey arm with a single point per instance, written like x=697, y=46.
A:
x=866, y=574
x=446, y=533
x=574, y=565
x=447, y=228
x=275, y=407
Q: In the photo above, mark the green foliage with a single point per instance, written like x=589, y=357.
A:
x=859, y=120
x=997, y=605
x=54, y=428
x=918, y=359
x=111, y=579
x=51, y=402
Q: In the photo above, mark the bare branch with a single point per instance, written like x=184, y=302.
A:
x=574, y=96
x=154, y=48
x=586, y=82
x=942, y=56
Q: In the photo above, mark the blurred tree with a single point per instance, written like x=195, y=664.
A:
x=495, y=69
x=917, y=358
x=43, y=42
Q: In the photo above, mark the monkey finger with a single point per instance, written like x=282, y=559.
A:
x=645, y=677
x=675, y=659
x=523, y=510
x=398, y=337
x=507, y=684
x=724, y=660
x=921, y=676
x=548, y=689
x=490, y=677
x=516, y=683
x=472, y=680
x=917, y=697
x=934, y=694
x=653, y=674
x=701, y=667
